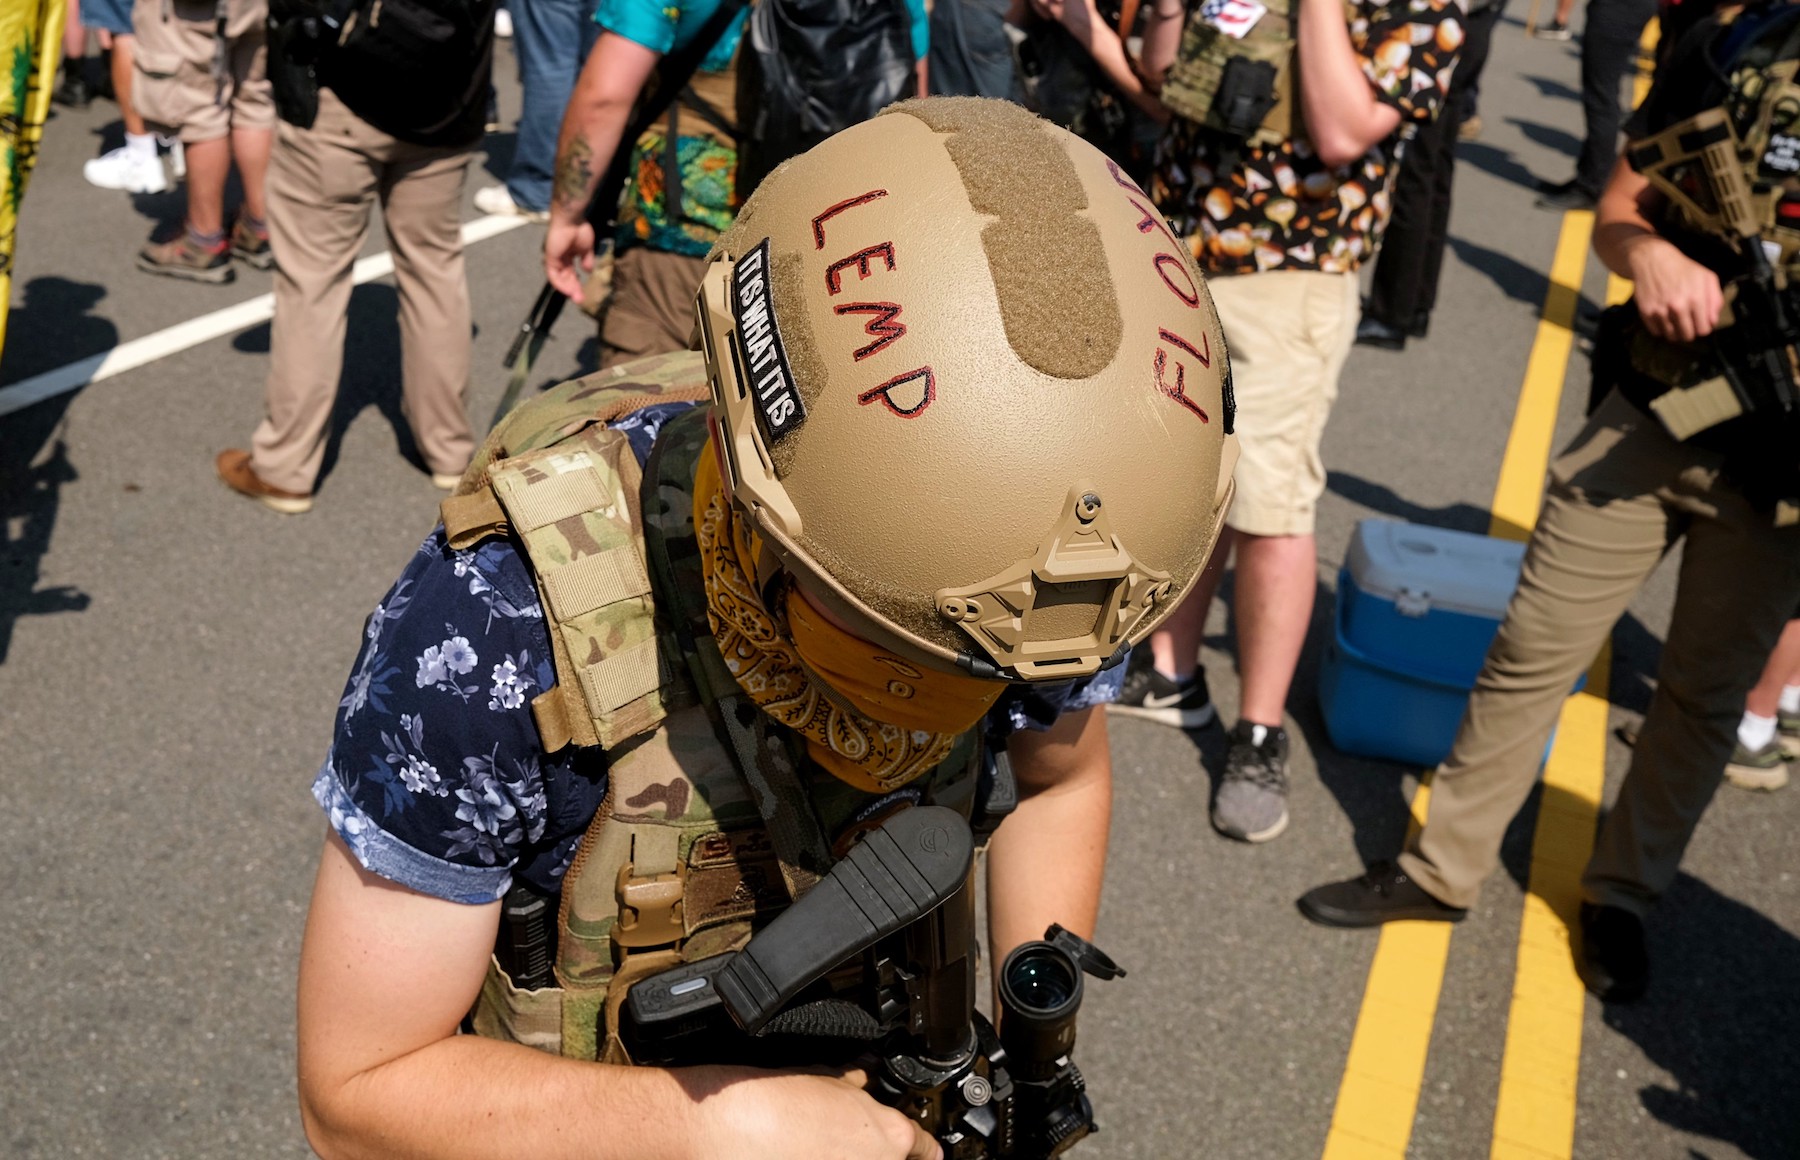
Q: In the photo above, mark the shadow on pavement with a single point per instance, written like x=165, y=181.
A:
x=1494, y=160
x=1549, y=136
x=371, y=376
x=1549, y=88
x=53, y=323
x=1722, y=1016
x=1519, y=281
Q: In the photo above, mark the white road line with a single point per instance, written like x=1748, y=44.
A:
x=130, y=355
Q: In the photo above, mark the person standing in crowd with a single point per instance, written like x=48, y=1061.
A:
x=1609, y=47
x=1280, y=220
x=135, y=166
x=202, y=75
x=587, y=799
x=1558, y=26
x=74, y=90
x=972, y=49
x=1403, y=288
x=551, y=39
x=354, y=135
x=1657, y=463
x=682, y=186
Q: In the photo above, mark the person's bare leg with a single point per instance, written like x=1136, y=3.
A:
x=208, y=163
x=250, y=149
x=124, y=46
x=74, y=35
x=1783, y=669
x=1175, y=647
x=1564, y=10
x=1276, y=579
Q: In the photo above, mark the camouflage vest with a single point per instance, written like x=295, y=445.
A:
x=1236, y=79
x=711, y=823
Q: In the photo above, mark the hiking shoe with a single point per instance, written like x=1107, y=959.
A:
x=124, y=168
x=1787, y=732
x=1555, y=30
x=185, y=258
x=1764, y=768
x=1154, y=697
x=1383, y=894
x=1613, y=960
x=250, y=247
x=234, y=468
x=1251, y=804
x=497, y=199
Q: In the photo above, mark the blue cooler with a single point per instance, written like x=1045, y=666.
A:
x=1417, y=608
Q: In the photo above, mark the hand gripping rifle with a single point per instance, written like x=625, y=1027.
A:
x=880, y=957
x=603, y=208
x=1699, y=166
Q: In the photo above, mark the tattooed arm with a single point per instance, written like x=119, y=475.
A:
x=615, y=73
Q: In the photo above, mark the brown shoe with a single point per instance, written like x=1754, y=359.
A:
x=234, y=468
x=250, y=247
x=181, y=258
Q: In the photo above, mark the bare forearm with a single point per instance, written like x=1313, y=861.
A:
x=590, y=136
x=1162, y=39
x=1046, y=863
x=488, y=1099
x=1343, y=117
x=1622, y=225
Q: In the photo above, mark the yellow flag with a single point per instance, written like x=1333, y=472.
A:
x=30, y=46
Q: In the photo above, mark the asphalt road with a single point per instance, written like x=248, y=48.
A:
x=171, y=657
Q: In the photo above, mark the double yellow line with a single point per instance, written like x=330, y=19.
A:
x=1534, y=1115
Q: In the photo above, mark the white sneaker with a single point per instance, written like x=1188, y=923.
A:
x=495, y=199
x=123, y=169
x=502, y=24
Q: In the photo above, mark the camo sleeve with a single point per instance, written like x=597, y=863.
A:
x=436, y=778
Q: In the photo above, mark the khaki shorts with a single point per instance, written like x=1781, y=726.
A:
x=651, y=310
x=1288, y=332
x=175, y=88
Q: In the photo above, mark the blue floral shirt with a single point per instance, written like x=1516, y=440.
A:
x=436, y=778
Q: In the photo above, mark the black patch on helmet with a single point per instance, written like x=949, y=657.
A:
x=767, y=374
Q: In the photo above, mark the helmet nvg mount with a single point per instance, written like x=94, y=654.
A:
x=970, y=390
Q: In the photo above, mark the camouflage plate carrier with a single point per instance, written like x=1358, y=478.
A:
x=1243, y=87
x=711, y=822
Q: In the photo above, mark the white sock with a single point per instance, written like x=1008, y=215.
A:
x=1790, y=698
x=141, y=145
x=1755, y=732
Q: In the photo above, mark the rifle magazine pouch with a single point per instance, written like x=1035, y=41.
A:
x=1246, y=95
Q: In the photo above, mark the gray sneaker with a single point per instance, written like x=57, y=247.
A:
x=1251, y=804
x=1764, y=768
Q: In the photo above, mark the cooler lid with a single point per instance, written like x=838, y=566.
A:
x=1421, y=568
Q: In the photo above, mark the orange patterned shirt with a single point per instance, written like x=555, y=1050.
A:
x=1279, y=207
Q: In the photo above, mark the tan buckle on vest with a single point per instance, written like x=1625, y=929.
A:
x=650, y=908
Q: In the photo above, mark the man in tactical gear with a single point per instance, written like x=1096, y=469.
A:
x=1695, y=439
x=665, y=664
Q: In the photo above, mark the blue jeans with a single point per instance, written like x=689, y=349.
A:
x=551, y=38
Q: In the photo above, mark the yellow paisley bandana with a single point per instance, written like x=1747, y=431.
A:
x=871, y=718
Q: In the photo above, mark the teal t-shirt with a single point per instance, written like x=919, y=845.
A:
x=670, y=24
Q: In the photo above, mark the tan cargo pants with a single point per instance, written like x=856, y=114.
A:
x=1619, y=498
x=323, y=182
x=651, y=310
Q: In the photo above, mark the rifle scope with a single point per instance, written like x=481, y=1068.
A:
x=1040, y=994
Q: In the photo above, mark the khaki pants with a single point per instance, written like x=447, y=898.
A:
x=651, y=310
x=1619, y=499
x=1289, y=332
x=323, y=182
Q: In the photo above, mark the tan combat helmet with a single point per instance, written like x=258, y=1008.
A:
x=970, y=390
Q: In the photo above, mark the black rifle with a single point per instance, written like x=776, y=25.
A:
x=603, y=208
x=880, y=959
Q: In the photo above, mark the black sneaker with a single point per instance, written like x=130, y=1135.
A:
x=1372, y=331
x=1154, y=697
x=74, y=92
x=1567, y=195
x=1383, y=894
x=1613, y=961
x=1251, y=804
